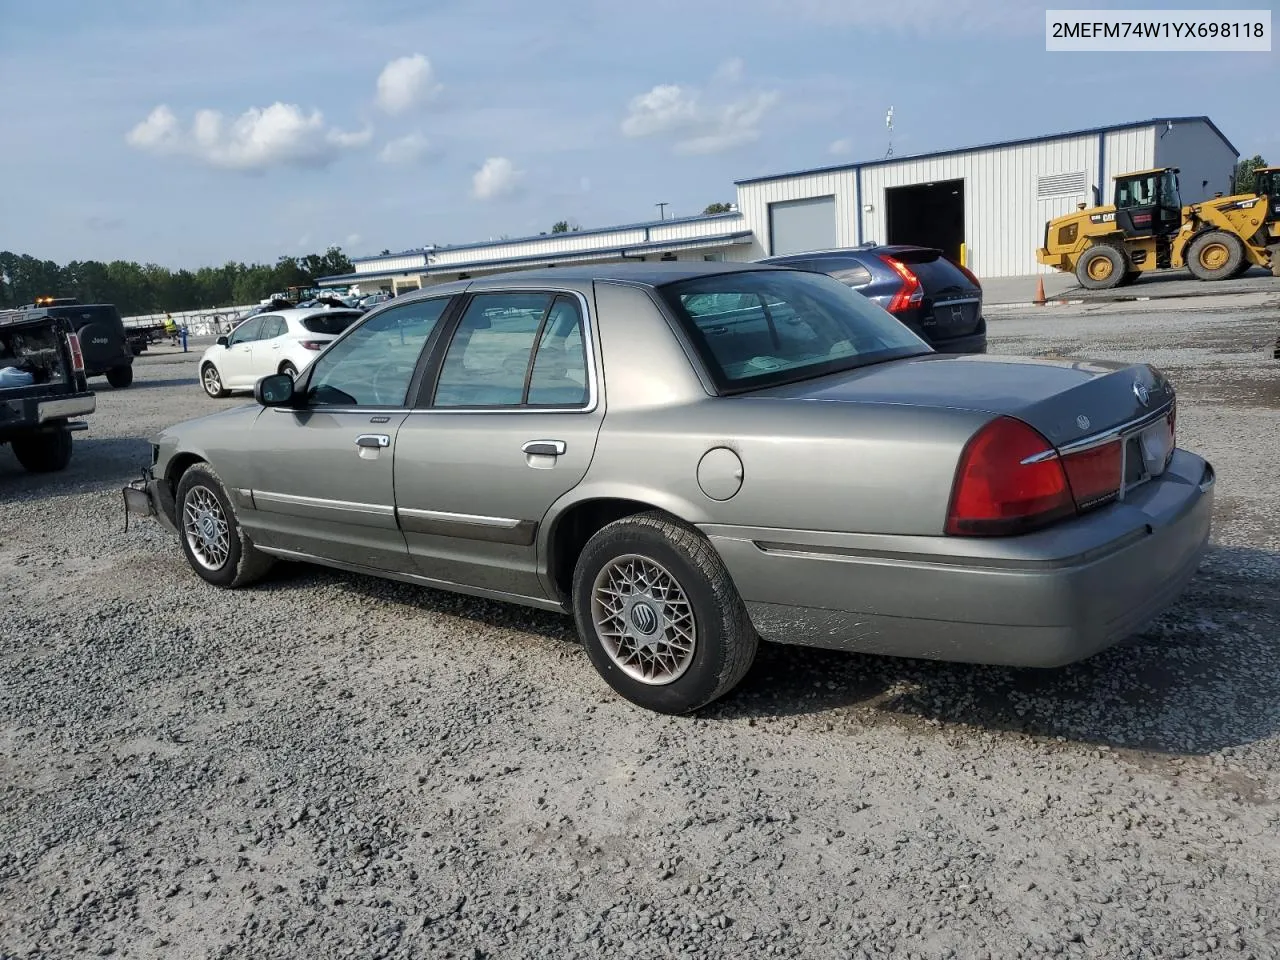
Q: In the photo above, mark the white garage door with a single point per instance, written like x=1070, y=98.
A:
x=799, y=225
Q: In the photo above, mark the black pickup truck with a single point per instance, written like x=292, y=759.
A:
x=42, y=387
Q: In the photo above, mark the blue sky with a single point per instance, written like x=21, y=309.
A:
x=189, y=132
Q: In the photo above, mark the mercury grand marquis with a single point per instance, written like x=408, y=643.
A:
x=689, y=457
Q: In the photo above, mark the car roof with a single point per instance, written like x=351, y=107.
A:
x=654, y=274
x=845, y=251
x=302, y=313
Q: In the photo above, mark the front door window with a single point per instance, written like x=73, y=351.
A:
x=373, y=365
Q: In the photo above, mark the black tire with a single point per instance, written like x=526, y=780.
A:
x=724, y=643
x=1215, y=255
x=241, y=563
x=44, y=452
x=211, y=380
x=290, y=369
x=120, y=377
x=1129, y=278
x=1241, y=270
x=1101, y=267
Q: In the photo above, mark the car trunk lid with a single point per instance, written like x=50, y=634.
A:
x=1065, y=400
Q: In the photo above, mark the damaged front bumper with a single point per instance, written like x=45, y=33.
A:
x=149, y=497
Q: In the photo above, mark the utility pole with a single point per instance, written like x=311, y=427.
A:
x=662, y=210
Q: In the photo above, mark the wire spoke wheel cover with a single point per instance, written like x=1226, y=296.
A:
x=206, y=529
x=644, y=620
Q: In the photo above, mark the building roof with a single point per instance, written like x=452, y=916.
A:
x=841, y=167
x=671, y=221
x=628, y=250
x=650, y=274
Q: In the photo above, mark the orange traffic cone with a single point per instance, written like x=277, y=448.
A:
x=1040, y=300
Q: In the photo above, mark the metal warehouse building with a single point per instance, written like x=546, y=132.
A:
x=985, y=206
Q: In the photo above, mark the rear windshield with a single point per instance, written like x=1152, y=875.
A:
x=756, y=329
x=334, y=322
x=936, y=272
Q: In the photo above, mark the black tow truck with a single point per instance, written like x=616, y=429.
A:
x=42, y=387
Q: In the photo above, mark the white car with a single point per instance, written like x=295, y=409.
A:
x=284, y=341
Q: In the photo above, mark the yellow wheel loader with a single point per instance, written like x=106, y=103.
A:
x=1146, y=228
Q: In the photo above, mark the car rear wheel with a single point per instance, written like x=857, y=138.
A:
x=121, y=376
x=659, y=616
x=1101, y=268
x=211, y=380
x=214, y=544
x=44, y=452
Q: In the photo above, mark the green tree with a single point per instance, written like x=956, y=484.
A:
x=560, y=226
x=1244, y=173
x=150, y=288
x=717, y=208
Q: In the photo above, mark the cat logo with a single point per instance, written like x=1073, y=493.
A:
x=1102, y=217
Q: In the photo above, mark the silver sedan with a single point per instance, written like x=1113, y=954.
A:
x=691, y=457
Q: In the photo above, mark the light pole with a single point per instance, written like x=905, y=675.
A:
x=662, y=210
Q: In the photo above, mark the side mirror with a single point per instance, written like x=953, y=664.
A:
x=274, y=391
x=223, y=340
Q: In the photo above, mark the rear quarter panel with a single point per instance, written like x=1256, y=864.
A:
x=806, y=464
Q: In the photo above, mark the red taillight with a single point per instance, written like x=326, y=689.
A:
x=1094, y=475
x=313, y=344
x=1010, y=481
x=911, y=293
x=77, y=355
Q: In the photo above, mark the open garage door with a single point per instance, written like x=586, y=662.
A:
x=799, y=225
x=928, y=214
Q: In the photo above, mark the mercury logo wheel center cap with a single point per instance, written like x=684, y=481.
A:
x=644, y=619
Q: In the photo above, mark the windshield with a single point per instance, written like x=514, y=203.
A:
x=332, y=323
x=760, y=328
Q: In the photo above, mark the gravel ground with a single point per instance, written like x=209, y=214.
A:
x=330, y=766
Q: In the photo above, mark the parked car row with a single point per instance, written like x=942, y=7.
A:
x=689, y=457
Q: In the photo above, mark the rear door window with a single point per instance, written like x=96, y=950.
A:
x=331, y=323
x=272, y=327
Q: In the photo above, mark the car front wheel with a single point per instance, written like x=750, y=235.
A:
x=659, y=616
x=212, y=540
x=211, y=380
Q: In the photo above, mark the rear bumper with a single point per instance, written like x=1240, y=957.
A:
x=148, y=497
x=1044, y=599
x=24, y=415
x=973, y=343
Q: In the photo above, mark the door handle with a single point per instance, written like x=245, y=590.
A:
x=544, y=448
x=374, y=440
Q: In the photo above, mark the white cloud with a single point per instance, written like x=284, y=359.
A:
x=408, y=149
x=670, y=110
x=260, y=138
x=159, y=132
x=731, y=71
x=667, y=108
x=406, y=84
x=731, y=126
x=841, y=148
x=497, y=178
